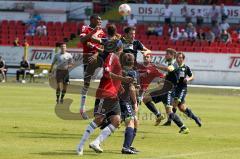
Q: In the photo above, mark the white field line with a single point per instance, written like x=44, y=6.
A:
x=194, y=154
x=193, y=86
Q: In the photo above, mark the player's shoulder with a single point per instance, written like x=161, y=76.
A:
x=86, y=28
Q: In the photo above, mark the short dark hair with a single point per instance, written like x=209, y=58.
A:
x=128, y=29
x=94, y=16
x=181, y=53
x=111, y=29
x=171, y=51
x=127, y=59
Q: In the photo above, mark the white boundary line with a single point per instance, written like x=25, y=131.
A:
x=193, y=154
x=193, y=86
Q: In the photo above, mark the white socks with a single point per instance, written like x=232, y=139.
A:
x=90, y=129
x=107, y=131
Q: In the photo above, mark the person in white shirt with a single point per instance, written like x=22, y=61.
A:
x=183, y=35
x=132, y=21
x=41, y=30
x=63, y=62
x=224, y=12
x=175, y=35
x=186, y=14
x=159, y=30
x=199, y=17
x=214, y=13
x=224, y=25
x=168, y=12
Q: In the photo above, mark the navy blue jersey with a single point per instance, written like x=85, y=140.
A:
x=132, y=47
x=183, y=72
x=125, y=96
x=110, y=46
x=172, y=76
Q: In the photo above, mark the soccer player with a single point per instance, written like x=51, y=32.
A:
x=64, y=62
x=185, y=75
x=129, y=104
x=131, y=45
x=89, y=56
x=148, y=72
x=106, y=103
x=167, y=97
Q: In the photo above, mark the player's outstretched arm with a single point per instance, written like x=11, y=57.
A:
x=83, y=39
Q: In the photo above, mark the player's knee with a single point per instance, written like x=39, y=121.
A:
x=146, y=98
x=98, y=120
x=181, y=107
x=116, y=120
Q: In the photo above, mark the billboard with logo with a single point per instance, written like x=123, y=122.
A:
x=208, y=68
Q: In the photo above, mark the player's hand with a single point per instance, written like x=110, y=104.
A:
x=92, y=59
x=128, y=79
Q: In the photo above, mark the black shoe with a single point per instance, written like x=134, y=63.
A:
x=134, y=149
x=61, y=101
x=167, y=123
x=128, y=151
x=198, y=122
x=57, y=101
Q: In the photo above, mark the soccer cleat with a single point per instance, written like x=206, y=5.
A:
x=84, y=114
x=3, y=81
x=95, y=147
x=198, y=122
x=57, y=101
x=134, y=149
x=79, y=151
x=158, y=120
x=167, y=123
x=23, y=81
x=61, y=101
x=184, y=130
x=128, y=151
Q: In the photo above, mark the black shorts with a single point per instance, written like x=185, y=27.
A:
x=62, y=76
x=166, y=98
x=127, y=112
x=107, y=107
x=180, y=94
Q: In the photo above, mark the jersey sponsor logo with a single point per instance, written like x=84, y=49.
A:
x=235, y=62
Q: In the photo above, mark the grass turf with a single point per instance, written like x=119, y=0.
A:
x=29, y=127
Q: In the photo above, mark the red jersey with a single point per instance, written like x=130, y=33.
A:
x=152, y=73
x=86, y=29
x=109, y=88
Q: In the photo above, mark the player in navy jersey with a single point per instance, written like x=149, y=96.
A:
x=131, y=45
x=166, y=94
x=129, y=104
x=185, y=75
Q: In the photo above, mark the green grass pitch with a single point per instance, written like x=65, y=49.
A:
x=29, y=127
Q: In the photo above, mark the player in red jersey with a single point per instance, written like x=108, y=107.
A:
x=106, y=103
x=89, y=55
x=148, y=72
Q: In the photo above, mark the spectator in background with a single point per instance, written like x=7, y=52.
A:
x=132, y=21
x=186, y=14
x=210, y=36
x=223, y=11
x=216, y=30
x=3, y=69
x=159, y=30
x=36, y=17
x=151, y=29
x=30, y=30
x=224, y=25
x=214, y=13
x=175, y=35
x=171, y=28
x=168, y=12
x=41, y=30
x=199, y=17
x=16, y=42
x=201, y=35
x=225, y=37
x=191, y=32
x=24, y=67
x=183, y=35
